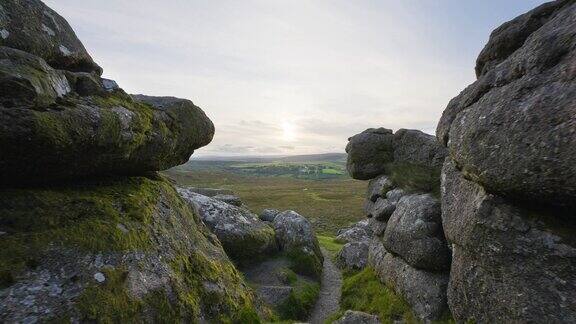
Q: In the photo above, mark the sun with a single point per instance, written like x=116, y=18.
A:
x=288, y=132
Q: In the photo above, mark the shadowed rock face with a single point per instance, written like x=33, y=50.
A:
x=425, y=291
x=414, y=232
x=31, y=26
x=416, y=147
x=514, y=130
x=504, y=252
x=87, y=136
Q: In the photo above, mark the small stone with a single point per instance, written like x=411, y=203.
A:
x=122, y=228
x=99, y=276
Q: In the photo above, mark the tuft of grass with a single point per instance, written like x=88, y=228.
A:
x=415, y=177
x=300, y=302
x=363, y=291
x=330, y=244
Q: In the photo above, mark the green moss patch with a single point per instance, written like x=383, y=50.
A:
x=125, y=215
x=415, y=177
x=330, y=244
x=300, y=302
x=363, y=291
x=87, y=216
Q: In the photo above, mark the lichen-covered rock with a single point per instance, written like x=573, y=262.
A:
x=513, y=131
x=27, y=79
x=269, y=214
x=353, y=255
x=416, y=147
x=33, y=27
x=378, y=187
x=360, y=231
x=244, y=236
x=377, y=227
x=414, y=232
x=368, y=153
x=98, y=135
x=368, y=208
x=122, y=250
x=229, y=199
x=425, y=291
x=296, y=238
x=384, y=207
x=503, y=252
x=355, y=317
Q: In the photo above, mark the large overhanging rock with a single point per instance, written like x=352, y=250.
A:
x=31, y=26
x=244, y=236
x=514, y=130
x=414, y=232
x=501, y=252
x=98, y=135
x=368, y=153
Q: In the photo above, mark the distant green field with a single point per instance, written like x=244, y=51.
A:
x=312, y=170
x=329, y=203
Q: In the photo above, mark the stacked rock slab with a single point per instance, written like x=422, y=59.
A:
x=407, y=247
x=508, y=188
x=79, y=247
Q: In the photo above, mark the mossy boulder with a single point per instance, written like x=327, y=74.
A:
x=116, y=250
x=297, y=239
x=244, y=236
x=97, y=135
x=31, y=26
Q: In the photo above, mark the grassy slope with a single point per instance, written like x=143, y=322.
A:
x=329, y=204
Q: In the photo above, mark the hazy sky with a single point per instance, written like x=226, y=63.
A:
x=293, y=76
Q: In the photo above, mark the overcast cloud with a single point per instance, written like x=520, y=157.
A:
x=293, y=77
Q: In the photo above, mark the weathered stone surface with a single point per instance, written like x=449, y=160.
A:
x=424, y=291
x=229, y=199
x=269, y=214
x=378, y=187
x=368, y=208
x=416, y=147
x=368, y=153
x=514, y=130
x=85, y=84
x=31, y=26
x=377, y=227
x=296, y=237
x=360, y=231
x=87, y=136
x=355, y=317
x=245, y=238
x=414, y=233
x=26, y=79
x=505, y=253
x=124, y=250
x=384, y=207
x=353, y=255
